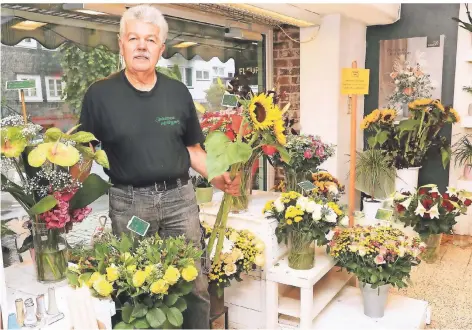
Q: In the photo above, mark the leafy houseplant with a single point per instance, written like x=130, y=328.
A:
x=148, y=279
x=379, y=256
x=431, y=213
x=303, y=220
x=203, y=189
x=53, y=190
x=462, y=152
x=465, y=25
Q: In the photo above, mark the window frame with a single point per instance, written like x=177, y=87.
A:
x=203, y=75
x=39, y=91
x=50, y=98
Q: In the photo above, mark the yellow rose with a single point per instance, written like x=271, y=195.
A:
x=138, y=278
x=103, y=287
x=237, y=254
x=230, y=269
x=260, y=246
x=189, y=273
x=131, y=268
x=259, y=260
x=148, y=270
x=112, y=273
x=172, y=275
x=159, y=287
x=95, y=276
x=234, y=236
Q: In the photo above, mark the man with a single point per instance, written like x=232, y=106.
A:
x=150, y=131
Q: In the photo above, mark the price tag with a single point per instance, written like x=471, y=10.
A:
x=307, y=185
x=137, y=225
x=384, y=215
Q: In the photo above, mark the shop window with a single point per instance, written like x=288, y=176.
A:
x=31, y=94
x=188, y=77
x=54, y=88
x=203, y=75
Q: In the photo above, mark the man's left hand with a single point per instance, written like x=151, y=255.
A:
x=224, y=183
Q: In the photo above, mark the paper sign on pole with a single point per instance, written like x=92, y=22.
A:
x=355, y=81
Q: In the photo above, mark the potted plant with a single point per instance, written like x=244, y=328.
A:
x=242, y=252
x=302, y=221
x=327, y=186
x=307, y=153
x=431, y=214
x=149, y=287
x=203, y=189
x=379, y=256
x=408, y=142
x=462, y=151
x=375, y=176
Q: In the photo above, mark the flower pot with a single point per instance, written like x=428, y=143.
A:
x=50, y=253
x=407, y=179
x=217, y=302
x=405, y=110
x=467, y=173
x=374, y=299
x=433, y=246
x=301, y=254
x=204, y=195
x=370, y=208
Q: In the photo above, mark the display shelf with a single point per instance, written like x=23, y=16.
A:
x=464, y=184
x=323, y=292
x=466, y=122
x=282, y=273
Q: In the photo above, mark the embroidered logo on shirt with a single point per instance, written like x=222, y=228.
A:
x=166, y=121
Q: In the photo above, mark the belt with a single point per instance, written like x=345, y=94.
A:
x=157, y=185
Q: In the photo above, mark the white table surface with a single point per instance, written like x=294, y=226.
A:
x=20, y=280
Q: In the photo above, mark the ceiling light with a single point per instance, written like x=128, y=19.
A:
x=242, y=34
x=185, y=44
x=28, y=25
x=90, y=12
x=84, y=8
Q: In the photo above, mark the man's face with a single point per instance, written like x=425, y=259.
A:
x=140, y=46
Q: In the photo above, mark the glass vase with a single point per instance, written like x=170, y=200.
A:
x=301, y=253
x=241, y=203
x=51, y=255
x=433, y=246
x=293, y=178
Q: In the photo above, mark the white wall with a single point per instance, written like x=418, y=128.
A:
x=462, y=101
x=323, y=110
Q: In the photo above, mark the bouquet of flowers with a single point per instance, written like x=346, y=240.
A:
x=327, y=186
x=303, y=220
x=258, y=123
x=307, y=152
x=242, y=252
x=377, y=255
x=148, y=279
x=408, y=142
x=54, y=187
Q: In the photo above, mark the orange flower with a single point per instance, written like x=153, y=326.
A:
x=408, y=91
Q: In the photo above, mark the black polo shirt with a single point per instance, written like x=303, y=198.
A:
x=145, y=134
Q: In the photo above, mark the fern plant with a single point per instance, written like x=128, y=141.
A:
x=462, y=151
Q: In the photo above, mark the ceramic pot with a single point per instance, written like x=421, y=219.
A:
x=407, y=179
x=467, y=173
x=370, y=208
x=204, y=195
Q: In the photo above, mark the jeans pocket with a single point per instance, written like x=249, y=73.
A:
x=120, y=201
x=186, y=192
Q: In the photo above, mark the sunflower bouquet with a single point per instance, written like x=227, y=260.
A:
x=148, y=279
x=301, y=221
x=327, y=186
x=259, y=124
x=242, y=252
x=408, y=142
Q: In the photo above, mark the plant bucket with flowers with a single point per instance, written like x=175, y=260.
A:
x=259, y=123
x=307, y=153
x=53, y=198
x=379, y=256
x=431, y=214
x=327, y=186
x=147, y=278
x=242, y=252
x=302, y=221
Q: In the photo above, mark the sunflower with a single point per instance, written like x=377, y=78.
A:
x=419, y=103
x=438, y=104
x=262, y=112
x=279, y=132
x=388, y=115
x=454, y=115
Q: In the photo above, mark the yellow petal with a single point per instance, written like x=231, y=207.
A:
x=37, y=156
x=200, y=108
x=13, y=149
x=63, y=155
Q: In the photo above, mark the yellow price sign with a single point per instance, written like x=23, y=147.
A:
x=355, y=81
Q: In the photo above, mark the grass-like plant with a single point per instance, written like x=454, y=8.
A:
x=462, y=151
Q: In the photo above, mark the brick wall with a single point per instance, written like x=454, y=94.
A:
x=287, y=75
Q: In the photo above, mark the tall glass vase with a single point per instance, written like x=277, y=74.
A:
x=433, y=246
x=51, y=257
x=241, y=203
x=293, y=178
x=301, y=253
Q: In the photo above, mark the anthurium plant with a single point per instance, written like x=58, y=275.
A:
x=257, y=123
x=148, y=278
x=408, y=141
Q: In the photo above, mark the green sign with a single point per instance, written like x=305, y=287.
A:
x=139, y=226
x=229, y=100
x=20, y=84
x=307, y=185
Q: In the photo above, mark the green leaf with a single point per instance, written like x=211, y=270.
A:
x=102, y=159
x=170, y=299
x=73, y=279
x=139, y=310
x=445, y=156
x=85, y=277
x=27, y=244
x=92, y=188
x=156, y=318
x=373, y=278
x=181, y=304
x=185, y=288
x=141, y=323
x=371, y=141
x=284, y=154
x=126, y=312
x=175, y=317
x=408, y=125
x=125, y=244
x=123, y=325
x=44, y=205
x=381, y=137
x=86, y=151
x=83, y=137
x=53, y=134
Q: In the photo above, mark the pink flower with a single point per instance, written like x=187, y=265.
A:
x=307, y=154
x=80, y=214
x=379, y=259
x=383, y=250
x=320, y=152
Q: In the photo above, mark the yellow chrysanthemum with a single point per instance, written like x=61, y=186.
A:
x=172, y=275
x=268, y=206
x=103, y=287
x=159, y=287
x=112, y=273
x=138, y=278
x=298, y=219
x=189, y=273
x=289, y=222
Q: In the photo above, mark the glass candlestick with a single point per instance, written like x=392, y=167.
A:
x=52, y=305
x=30, y=317
x=40, y=308
x=20, y=312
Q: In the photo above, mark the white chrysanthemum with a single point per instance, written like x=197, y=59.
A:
x=331, y=216
x=279, y=205
x=302, y=202
x=317, y=212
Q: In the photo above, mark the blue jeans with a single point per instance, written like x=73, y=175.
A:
x=170, y=213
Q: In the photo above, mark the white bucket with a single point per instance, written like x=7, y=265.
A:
x=370, y=211
x=407, y=179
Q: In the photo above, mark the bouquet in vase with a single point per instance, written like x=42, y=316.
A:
x=257, y=124
x=148, y=279
x=327, y=185
x=302, y=221
x=53, y=186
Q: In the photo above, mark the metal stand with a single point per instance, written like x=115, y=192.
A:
x=217, y=316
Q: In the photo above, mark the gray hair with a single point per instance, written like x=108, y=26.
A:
x=147, y=14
